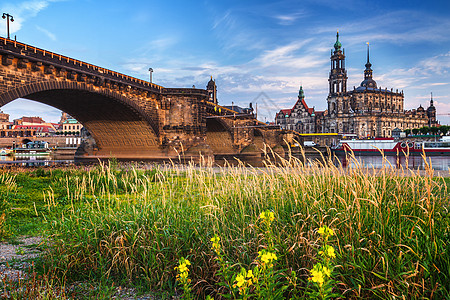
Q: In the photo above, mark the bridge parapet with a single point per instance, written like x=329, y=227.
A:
x=185, y=92
x=10, y=49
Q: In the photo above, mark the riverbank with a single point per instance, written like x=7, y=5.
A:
x=124, y=226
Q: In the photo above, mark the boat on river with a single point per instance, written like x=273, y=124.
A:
x=35, y=148
x=388, y=146
x=5, y=151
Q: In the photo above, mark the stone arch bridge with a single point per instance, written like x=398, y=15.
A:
x=127, y=117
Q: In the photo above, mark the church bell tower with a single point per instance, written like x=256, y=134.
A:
x=337, y=80
x=338, y=74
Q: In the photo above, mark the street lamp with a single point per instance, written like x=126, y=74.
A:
x=151, y=72
x=7, y=17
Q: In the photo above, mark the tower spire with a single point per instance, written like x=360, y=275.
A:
x=368, y=52
x=368, y=80
x=368, y=64
x=337, y=45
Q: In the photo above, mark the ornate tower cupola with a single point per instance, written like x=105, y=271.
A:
x=301, y=94
x=368, y=81
x=212, y=91
x=338, y=74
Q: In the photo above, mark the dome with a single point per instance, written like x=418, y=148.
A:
x=420, y=109
x=211, y=84
x=337, y=45
x=369, y=83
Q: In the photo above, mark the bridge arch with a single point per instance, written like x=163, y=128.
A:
x=219, y=136
x=258, y=138
x=115, y=119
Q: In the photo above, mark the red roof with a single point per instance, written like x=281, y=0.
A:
x=286, y=111
x=39, y=128
x=302, y=100
x=32, y=120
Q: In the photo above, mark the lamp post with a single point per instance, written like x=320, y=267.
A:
x=151, y=72
x=7, y=17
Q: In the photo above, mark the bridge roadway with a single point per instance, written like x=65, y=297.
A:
x=130, y=118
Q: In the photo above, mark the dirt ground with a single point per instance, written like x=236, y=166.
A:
x=16, y=263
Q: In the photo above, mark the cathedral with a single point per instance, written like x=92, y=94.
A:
x=366, y=111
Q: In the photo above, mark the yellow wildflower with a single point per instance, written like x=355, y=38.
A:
x=215, y=243
x=250, y=277
x=182, y=268
x=262, y=215
x=240, y=280
x=267, y=215
x=326, y=271
x=321, y=230
x=267, y=257
x=328, y=251
x=317, y=276
x=326, y=231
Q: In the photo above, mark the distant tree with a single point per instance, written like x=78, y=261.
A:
x=444, y=129
x=407, y=131
x=434, y=130
x=415, y=131
x=424, y=130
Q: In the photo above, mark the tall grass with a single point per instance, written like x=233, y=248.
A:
x=131, y=226
x=7, y=187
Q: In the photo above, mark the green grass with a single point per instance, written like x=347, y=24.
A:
x=131, y=226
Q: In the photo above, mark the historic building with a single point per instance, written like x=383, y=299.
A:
x=367, y=111
x=68, y=125
x=300, y=118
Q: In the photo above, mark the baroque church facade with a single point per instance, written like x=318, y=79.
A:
x=366, y=111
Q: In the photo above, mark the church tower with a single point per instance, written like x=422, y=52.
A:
x=431, y=113
x=338, y=74
x=212, y=91
x=337, y=80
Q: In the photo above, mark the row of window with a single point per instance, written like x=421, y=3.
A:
x=71, y=127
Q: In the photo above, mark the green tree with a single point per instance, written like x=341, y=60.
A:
x=434, y=130
x=424, y=130
x=415, y=131
x=407, y=131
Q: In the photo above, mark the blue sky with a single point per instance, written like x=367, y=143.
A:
x=258, y=51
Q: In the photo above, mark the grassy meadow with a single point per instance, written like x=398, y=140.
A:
x=126, y=226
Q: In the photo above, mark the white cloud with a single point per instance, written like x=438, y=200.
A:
x=48, y=33
x=23, y=107
x=288, y=19
x=23, y=11
x=288, y=56
x=439, y=64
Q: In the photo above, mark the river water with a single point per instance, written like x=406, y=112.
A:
x=412, y=162
x=35, y=161
x=372, y=161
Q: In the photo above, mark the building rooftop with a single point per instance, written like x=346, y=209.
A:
x=70, y=121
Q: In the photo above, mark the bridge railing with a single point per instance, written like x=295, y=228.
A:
x=221, y=110
x=41, y=54
x=185, y=91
